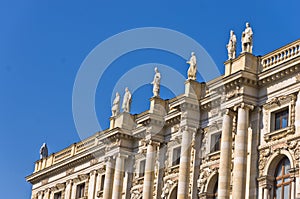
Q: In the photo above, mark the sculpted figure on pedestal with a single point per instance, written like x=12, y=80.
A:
x=116, y=105
x=43, y=151
x=126, y=101
x=231, y=46
x=247, y=39
x=193, y=67
x=156, y=83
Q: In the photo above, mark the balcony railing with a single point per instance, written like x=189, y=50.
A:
x=281, y=55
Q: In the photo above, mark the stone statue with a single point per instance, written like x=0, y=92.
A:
x=193, y=67
x=126, y=101
x=43, y=151
x=231, y=46
x=116, y=105
x=156, y=83
x=247, y=39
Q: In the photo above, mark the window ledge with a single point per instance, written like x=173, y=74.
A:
x=214, y=155
x=280, y=133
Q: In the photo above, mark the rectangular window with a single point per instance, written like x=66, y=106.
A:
x=176, y=156
x=57, y=195
x=281, y=119
x=142, y=168
x=215, y=142
x=80, y=190
x=102, y=182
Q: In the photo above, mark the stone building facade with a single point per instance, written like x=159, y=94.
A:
x=236, y=136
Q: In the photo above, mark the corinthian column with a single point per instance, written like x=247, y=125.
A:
x=68, y=189
x=109, y=176
x=225, y=159
x=240, y=153
x=185, y=161
x=92, y=184
x=149, y=170
x=119, y=177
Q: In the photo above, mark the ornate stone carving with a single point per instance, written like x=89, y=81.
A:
x=231, y=46
x=126, y=101
x=205, y=173
x=263, y=157
x=247, y=39
x=136, y=193
x=234, y=93
x=156, y=83
x=116, y=105
x=167, y=188
x=193, y=67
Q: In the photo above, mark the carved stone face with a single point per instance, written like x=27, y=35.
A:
x=247, y=25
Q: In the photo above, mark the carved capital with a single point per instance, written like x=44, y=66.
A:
x=243, y=106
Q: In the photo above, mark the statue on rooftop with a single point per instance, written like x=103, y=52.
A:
x=43, y=151
x=193, y=67
x=116, y=105
x=156, y=83
x=231, y=46
x=247, y=39
x=126, y=101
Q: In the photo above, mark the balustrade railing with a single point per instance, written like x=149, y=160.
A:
x=281, y=55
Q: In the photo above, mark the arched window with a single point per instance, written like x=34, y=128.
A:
x=216, y=191
x=282, y=180
x=173, y=194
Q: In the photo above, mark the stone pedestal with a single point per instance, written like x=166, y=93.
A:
x=109, y=176
x=246, y=62
x=123, y=120
x=194, y=89
x=225, y=157
x=119, y=177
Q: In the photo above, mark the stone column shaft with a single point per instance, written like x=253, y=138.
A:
x=225, y=157
x=266, y=193
x=240, y=154
x=149, y=171
x=109, y=176
x=184, y=167
x=118, y=178
x=68, y=189
x=92, y=185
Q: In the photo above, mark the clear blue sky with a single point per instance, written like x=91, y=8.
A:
x=43, y=43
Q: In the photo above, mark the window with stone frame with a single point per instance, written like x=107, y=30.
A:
x=80, y=190
x=283, y=180
x=142, y=165
x=280, y=119
x=215, y=142
x=176, y=156
x=102, y=181
x=57, y=195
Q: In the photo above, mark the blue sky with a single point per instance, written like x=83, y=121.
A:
x=43, y=43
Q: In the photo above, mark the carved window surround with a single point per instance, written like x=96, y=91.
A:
x=274, y=105
x=214, y=156
x=173, y=169
x=172, y=147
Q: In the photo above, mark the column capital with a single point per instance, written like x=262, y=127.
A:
x=229, y=112
x=153, y=142
x=120, y=155
x=93, y=172
x=108, y=159
x=243, y=106
x=189, y=129
x=69, y=181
